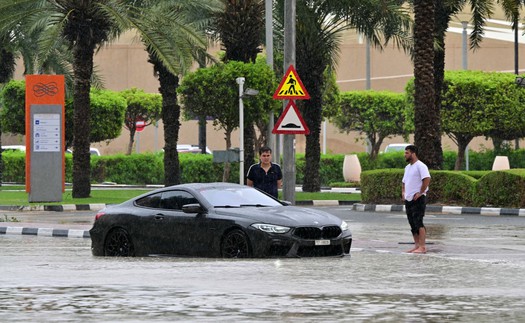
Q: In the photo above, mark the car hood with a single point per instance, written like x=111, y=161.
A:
x=283, y=215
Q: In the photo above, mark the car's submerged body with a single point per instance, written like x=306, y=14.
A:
x=216, y=220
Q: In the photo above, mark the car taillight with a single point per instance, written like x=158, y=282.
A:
x=99, y=215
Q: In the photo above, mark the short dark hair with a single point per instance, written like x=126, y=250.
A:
x=265, y=149
x=412, y=149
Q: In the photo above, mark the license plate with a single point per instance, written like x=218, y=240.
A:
x=322, y=242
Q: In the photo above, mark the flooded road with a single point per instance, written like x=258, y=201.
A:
x=468, y=275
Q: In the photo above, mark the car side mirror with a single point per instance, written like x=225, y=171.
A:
x=192, y=208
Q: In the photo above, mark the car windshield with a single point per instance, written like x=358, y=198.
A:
x=237, y=197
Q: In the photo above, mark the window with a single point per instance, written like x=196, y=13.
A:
x=175, y=200
x=152, y=201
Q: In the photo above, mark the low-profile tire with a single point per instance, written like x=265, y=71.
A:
x=118, y=244
x=235, y=245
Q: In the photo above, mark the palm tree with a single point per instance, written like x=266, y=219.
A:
x=182, y=24
x=319, y=27
x=240, y=28
x=512, y=10
x=427, y=119
x=445, y=10
x=84, y=26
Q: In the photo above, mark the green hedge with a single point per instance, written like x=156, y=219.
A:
x=501, y=189
x=497, y=189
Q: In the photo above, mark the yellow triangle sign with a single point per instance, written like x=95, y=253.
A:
x=291, y=87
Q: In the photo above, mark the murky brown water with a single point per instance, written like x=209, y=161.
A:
x=56, y=279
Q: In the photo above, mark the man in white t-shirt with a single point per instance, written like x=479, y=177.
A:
x=415, y=186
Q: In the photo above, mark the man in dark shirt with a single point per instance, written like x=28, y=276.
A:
x=265, y=176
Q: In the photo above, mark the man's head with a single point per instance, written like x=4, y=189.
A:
x=265, y=154
x=411, y=153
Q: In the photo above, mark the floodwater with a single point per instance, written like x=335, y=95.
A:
x=56, y=279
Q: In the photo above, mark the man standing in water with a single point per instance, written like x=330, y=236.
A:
x=415, y=186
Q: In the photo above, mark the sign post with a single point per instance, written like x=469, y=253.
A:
x=45, y=136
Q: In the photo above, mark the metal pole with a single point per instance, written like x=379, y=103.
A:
x=464, y=47
x=240, y=81
x=269, y=62
x=324, y=137
x=137, y=142
x=465, y=67
x=289, y=140
x=368, y=84
x=516, y=47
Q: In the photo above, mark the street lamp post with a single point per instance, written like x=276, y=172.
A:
x=240, y=81
x=465, y=67
x=242, y=94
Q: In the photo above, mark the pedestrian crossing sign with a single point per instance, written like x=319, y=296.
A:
x=291, y=122
x=291, y=87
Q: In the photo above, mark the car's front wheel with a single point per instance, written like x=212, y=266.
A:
x=235, y=245
x=118, y=244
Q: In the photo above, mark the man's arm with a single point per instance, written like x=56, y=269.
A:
x=249, y=182
x=403, y=192
x=424, y=185
x=279, y=183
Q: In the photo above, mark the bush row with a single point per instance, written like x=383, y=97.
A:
x=498, y=188
x=148, y=168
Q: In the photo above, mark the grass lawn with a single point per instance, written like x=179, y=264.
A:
x=16, y=195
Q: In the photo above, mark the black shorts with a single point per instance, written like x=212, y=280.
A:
x=415, y=213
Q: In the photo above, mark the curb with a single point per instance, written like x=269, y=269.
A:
x=46, y=232
x=488, y=211
x=56, y=208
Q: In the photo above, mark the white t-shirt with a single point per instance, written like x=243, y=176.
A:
x=413, y=178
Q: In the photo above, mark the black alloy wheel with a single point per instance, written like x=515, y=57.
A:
x=118, y=244
x=235, y=245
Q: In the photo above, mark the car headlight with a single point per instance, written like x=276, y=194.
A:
x=270, y=228
x=344, y=226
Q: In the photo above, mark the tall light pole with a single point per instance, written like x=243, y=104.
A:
x=289, y=140
x=464, y=46
x=240, y=81
x=242, y=95
x=272, y=139
x=465, y=67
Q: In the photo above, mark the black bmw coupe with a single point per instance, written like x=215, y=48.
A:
x=216, y=220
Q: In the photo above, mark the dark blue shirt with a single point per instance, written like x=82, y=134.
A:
x=265, y=181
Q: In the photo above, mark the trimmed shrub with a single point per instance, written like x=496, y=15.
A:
x=381, y=186
x=14, y=169
x=451, y=188
x=384, y=186
x=501, y=189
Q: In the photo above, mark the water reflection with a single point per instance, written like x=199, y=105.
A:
x=66, y=283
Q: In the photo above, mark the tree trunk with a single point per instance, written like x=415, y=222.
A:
x=83, y=69
x=376, y=145
x=498, y=145
x=427, y=115
x=249, y=151
x=170, y=118
x=131, y=141
x=462, y=142
x=227, y=166
x=313, y=118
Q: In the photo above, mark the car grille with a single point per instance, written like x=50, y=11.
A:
x=317, y=233
x=320, y=251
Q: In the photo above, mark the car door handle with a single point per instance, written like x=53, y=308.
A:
x=159, y=217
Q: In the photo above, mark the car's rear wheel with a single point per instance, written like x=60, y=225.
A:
x=235, y=245
x=118, y=244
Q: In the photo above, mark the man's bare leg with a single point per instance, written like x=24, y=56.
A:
x=422, y=241
x=416, y=243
